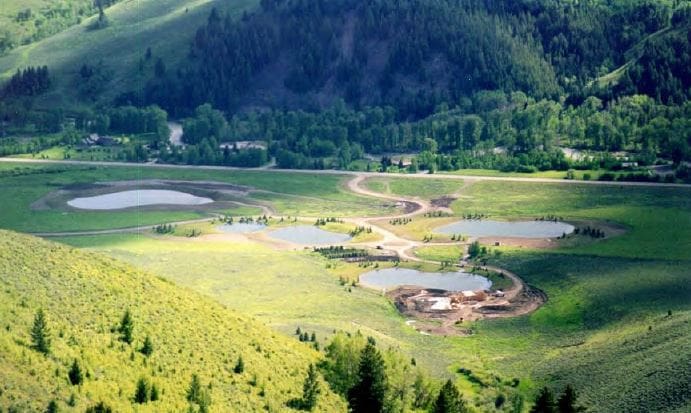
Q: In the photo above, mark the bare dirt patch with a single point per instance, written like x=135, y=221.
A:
x=441, y=312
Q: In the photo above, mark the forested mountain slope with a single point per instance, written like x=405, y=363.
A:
x=412, y=55
x=84, y=297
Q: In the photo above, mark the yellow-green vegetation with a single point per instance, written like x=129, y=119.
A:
x=165, y=26
x=420, y=228
x=440, y=253
x=84, y=296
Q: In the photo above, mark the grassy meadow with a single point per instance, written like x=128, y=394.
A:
x=306, y=194
x=609, y=301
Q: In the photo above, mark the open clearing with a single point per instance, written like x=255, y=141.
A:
x=606, y=297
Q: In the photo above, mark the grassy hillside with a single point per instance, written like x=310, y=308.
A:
x=166, y=26
x=84, y=296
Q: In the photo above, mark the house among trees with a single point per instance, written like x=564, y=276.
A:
x=95, y=139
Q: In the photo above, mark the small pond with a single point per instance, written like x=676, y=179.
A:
x=136, y=198
x=390, y=278
x=309, y=235
x=517, y=229
x=241, y=228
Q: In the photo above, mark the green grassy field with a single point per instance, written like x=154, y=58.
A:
x=422, y=188
x=657, y=219
x=85, y=295
x=288, y=194
x=603, y=296
x=166, y=26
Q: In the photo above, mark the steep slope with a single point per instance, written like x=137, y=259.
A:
x=165, y=26
x=84, y=297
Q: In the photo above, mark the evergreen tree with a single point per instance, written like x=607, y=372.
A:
x=567, y=401
x=367, y=396
x=141, y=394
x=239, y=366
x=40, y=334
x=99, y=408
x=126, y=327
x=154, y=393
x=194, y=390
x=52, y=407
x=197, y=394
x=310, y=390
x=75, y=374
x=449, y=400
x=147, y=348
x=544, y=402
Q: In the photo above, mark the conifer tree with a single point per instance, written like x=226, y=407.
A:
x=567, y=401
x=75, y=374
x=544, y=402
x=310, y=389
x=141, y=394
x=52, y=407
x=239, y=366
x=370, y=389
x=40, y=333
x=449, y=400
x=148, y=347
x=126, y=328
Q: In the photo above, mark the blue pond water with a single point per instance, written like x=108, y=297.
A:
x=136, y=198
x=309, y=235
x=390, y=278
x=241, y=228
x=517, y=229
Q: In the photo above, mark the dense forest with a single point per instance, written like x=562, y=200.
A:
x=478, y=84
x=414, y=55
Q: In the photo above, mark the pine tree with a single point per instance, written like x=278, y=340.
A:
x=141, y=394
x=126, y=327
x=239, y=366
x=194, y=391
x=75, y=374
x=99, y=408
x=40, y=334
x=370, y=389
x=147, y=348
x=449, y=400
x=544, y=402
x=567, y=401
x=154, y=393
x=52, y=407
x=310, y=390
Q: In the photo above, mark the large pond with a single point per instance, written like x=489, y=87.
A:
x=241, y=228
x=135, y=198
x=517, y=229
x=309, y=235
x=391, y=278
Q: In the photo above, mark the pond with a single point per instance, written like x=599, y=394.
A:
x=241, y=228
x=136, y=198
x=518, y=229
x=390, y=278
x=309, y=235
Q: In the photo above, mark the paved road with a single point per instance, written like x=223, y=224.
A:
x=351, y=173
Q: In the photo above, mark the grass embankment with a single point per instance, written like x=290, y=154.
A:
x=166, y=26
x=84, y=296
x=420, y=188
x=289, y=194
